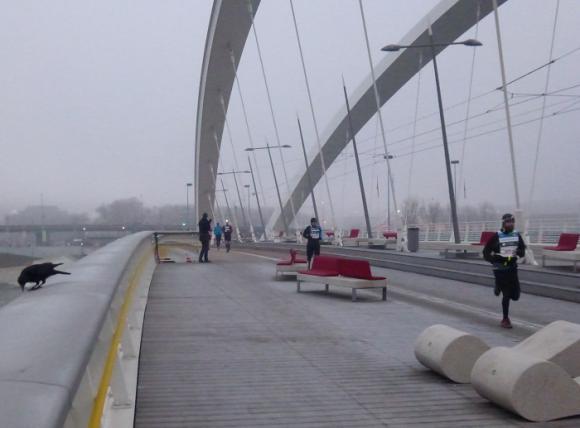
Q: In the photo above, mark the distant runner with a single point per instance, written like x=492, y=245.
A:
x=313, y=233
x=217, y=232
x=228, y=230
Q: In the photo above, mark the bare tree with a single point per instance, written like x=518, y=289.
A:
x=411, y=210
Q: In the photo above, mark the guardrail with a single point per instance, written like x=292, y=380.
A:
x=68, y=352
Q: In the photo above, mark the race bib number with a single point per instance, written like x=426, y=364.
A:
x=315, y=233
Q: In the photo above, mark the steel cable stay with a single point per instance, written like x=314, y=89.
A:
x=276, y=133
x=307, y=83
x=414, y=133
x=468, y=109
x=483, y=94
x=471, y=137
x=541, y=124
x=248, y=130
x=458, y=122
x=378, y=111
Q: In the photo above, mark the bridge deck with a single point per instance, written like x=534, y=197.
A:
x=226, y=345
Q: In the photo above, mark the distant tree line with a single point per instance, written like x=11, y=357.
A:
x=418, y=211
x=128, y=211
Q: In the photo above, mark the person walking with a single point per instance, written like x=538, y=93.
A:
x=228, y=230
x=204, y=236
x=502, y=251
x=313, y=234
x=217, y=232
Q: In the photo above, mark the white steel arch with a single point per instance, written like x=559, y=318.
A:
x=228, y=30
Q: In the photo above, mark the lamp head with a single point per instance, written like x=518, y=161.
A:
x=391, y=48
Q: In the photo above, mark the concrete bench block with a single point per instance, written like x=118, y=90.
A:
x=536, y=389
x=558, y=342
x=449, y=352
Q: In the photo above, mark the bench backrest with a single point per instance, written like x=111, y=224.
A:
x=568, y=241
x=325, y=263
x=486, y=235
x=354, y=233
x=388, y=234
x=355, y=268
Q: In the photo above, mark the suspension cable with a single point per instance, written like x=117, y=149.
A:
x=414, y=134
x=468, y=107
x=277, y=134
x=250, y=139
x=378, y=105
x=541, y=124
x=306, y=80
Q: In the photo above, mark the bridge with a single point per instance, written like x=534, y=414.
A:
x=142, y=335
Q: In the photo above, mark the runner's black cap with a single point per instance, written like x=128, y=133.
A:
x=507, y=217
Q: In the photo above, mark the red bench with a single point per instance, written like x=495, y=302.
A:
x=291, y=266
x=567, y=242
x=388, y=234
x=350, y=273
x=486, y=235
x=354, y=233
x=565, y=250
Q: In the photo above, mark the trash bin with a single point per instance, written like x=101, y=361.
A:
x=413, y=239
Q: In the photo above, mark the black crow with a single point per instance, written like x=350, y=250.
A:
x=38, y=274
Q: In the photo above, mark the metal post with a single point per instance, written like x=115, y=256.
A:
x=308, y=171
x=187, y=221
x=226, y=198
x=278, y=191
x=257, y=199
x=239, y=198
x=456, y=235
x=360, y=180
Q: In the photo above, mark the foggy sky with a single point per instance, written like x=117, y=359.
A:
x=99, y=101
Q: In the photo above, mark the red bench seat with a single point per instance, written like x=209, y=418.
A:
x=567, y=242
x=342, y=272
x=486, y=235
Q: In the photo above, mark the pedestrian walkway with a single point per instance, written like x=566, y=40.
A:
x=226, y=345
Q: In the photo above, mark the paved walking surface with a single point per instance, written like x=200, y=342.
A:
x=226, y=345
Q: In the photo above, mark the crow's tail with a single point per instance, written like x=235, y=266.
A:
x=61, y=272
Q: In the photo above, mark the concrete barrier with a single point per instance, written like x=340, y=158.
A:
x=536, y=389
x=60, y=344
x=449, y=352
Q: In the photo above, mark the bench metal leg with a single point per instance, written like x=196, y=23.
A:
x=384, y=293
x=326, y=287
x=298, y=286
x=354, y=294
x=543, y=261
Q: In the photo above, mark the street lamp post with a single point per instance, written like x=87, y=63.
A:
x=187, y=186
x=432, y=45
x=387, y=156
x=268, y=147
x=247, y=186
x=234, y=173
x=257, y=199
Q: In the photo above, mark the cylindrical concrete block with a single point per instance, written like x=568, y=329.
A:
x=449, y=352
x=535, y=389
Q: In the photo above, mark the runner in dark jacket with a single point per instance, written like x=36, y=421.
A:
x=502, y=251
x=228, y=230
x=313, y=234
x=204, y=236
